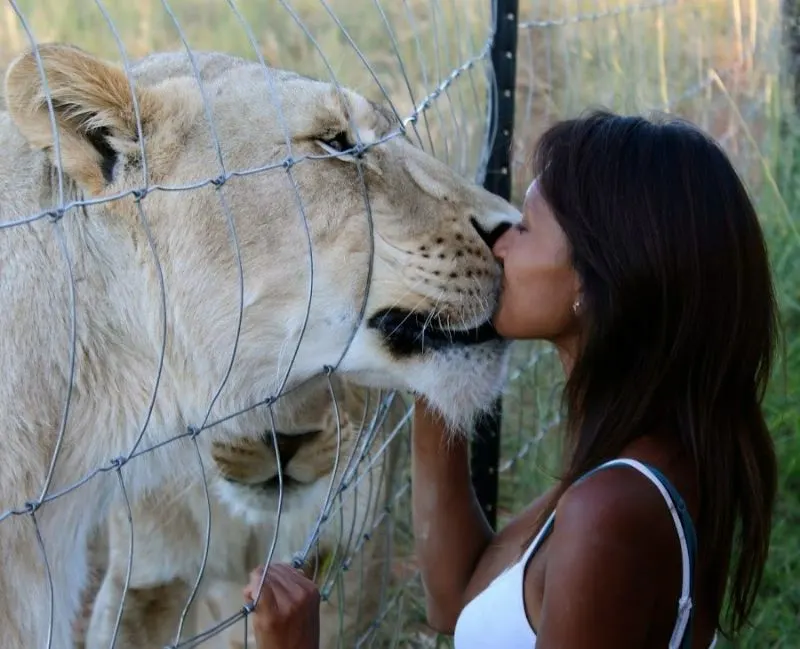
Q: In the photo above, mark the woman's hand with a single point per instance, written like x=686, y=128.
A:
x=287, y=613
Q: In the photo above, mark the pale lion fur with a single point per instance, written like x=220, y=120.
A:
x=359, y=428
x=423, y=253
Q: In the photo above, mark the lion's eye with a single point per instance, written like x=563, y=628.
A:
x=338, y=142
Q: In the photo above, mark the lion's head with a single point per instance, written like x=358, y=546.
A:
x=379, y=258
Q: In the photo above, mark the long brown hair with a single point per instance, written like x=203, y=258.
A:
x=680, y=322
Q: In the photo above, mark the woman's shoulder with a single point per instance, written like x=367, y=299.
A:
x=616, y=505
x=613, y=548
x=614, y=526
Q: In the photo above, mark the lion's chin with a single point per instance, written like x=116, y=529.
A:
x=459, y=381
x=462, y=383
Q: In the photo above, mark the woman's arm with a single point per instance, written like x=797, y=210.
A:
x=450, y=531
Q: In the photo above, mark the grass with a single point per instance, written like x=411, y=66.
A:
x=777, y=619
x=626, y=59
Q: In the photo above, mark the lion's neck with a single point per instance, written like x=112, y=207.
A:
x=115, y=280
x=80, y=303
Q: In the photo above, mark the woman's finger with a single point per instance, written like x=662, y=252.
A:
x=287, y=579
x=251, y=589
x=265, y=594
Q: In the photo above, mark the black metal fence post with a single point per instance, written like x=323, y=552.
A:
x=485, y=452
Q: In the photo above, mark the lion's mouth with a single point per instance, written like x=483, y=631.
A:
x=407, y=332
x=270, y=485
x=274, y=483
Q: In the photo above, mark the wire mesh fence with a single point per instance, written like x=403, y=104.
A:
x=204, y=250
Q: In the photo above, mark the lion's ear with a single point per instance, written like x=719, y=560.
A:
x=93, y=110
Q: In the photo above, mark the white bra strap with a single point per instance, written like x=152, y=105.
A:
x=537, y=541
x=685, y=602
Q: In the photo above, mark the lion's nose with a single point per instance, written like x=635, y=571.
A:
x=490, y=237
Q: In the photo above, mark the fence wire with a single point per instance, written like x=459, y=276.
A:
x=172, y=522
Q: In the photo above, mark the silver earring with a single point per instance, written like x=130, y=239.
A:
x=576, y=305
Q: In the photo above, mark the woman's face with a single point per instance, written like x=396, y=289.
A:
x=540, y=286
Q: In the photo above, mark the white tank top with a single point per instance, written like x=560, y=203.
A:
x=496, y=618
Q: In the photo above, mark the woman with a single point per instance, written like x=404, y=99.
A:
x=640, y=257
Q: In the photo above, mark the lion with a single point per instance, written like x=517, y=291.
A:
x=186, y=239
x=337, y=460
